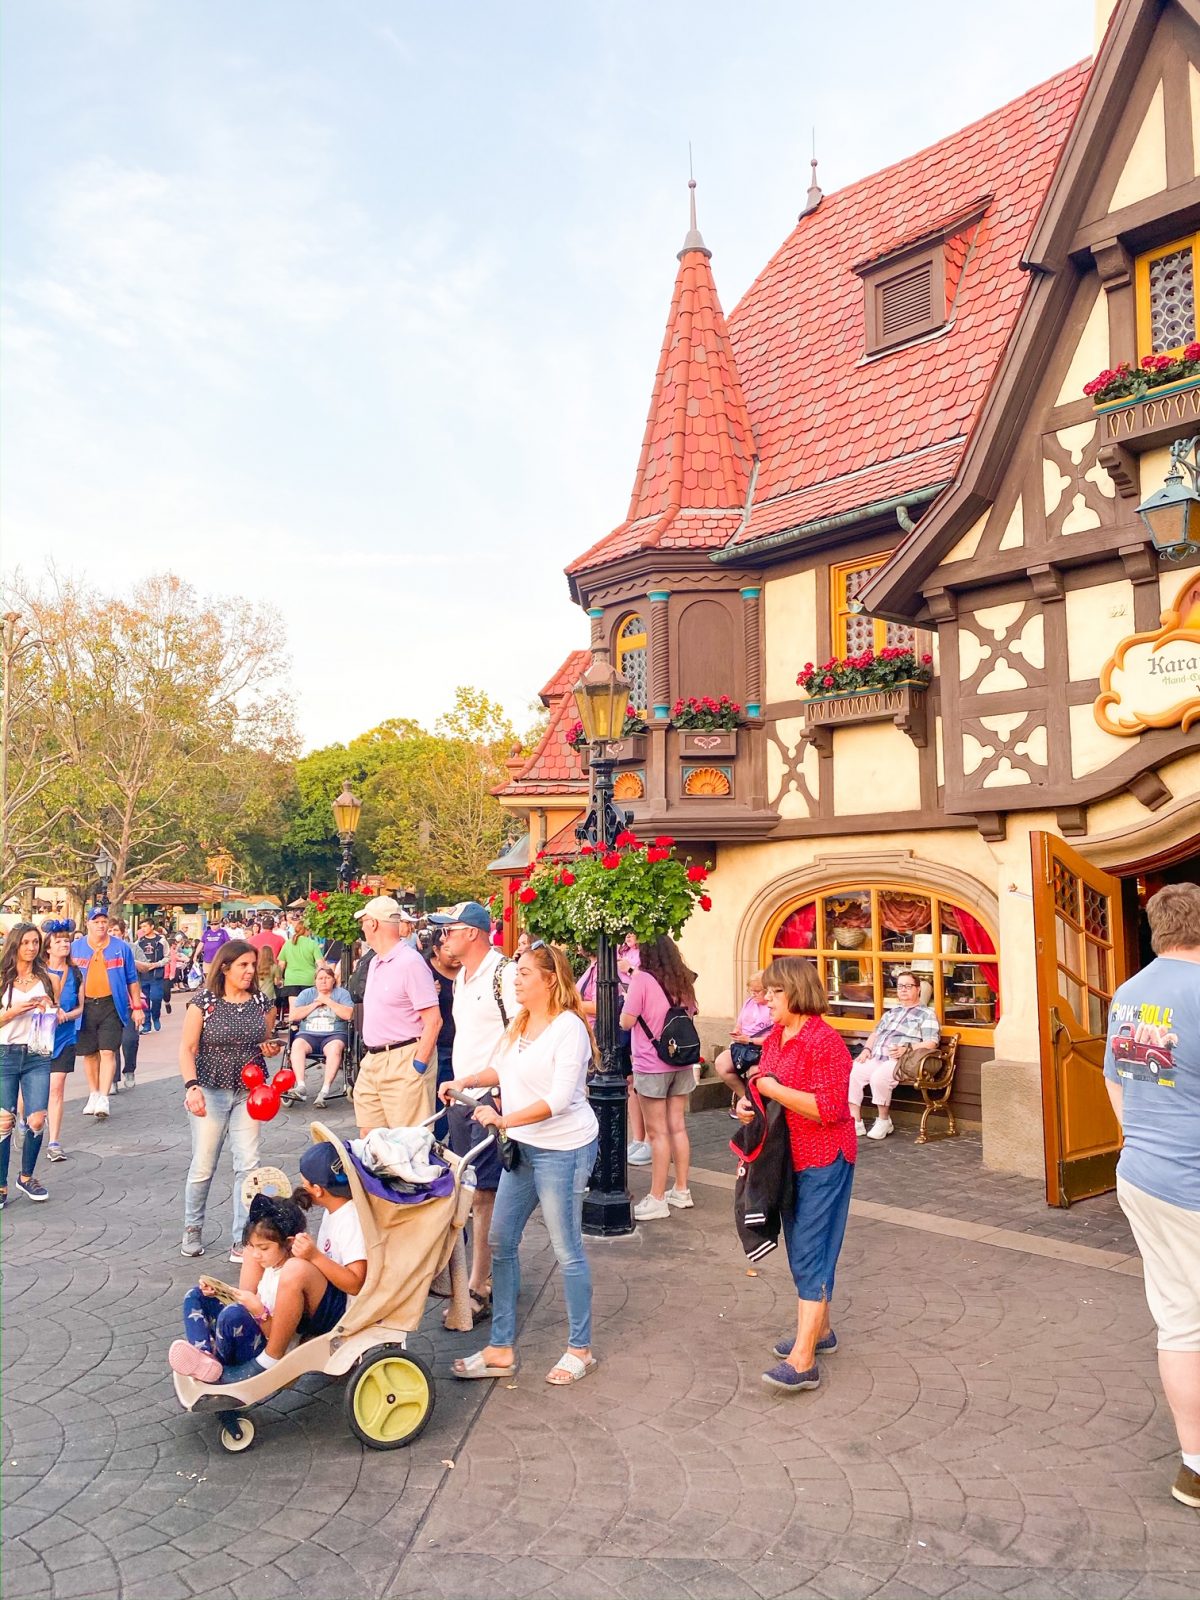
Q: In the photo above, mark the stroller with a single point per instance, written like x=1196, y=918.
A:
x=389, y=1395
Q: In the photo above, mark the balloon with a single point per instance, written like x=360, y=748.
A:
x=284, y=1080
x=263, y=1102
x=253, y=1075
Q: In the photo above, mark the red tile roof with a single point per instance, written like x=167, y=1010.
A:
x=836, y=431
x=553, y=767
x=698, y=448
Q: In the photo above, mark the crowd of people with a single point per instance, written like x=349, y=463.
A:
x=447, y=1029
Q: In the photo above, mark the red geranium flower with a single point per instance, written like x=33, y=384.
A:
x=696, y=874
x=568, y=878
x=625, y=840
x=587, y=849
x=705, y=902
x=827, y=681
x=611, y=860
x=527, y=896
x=664, y=841
x=508, y=913
x=654, y=855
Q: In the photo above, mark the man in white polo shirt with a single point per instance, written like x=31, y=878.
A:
x=485, y=1002
x=401, y=1020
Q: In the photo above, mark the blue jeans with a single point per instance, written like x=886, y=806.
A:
x=557, y=1180
x=153, y=991
x=228, y=1332
x=27, y=1076
x=814, y=1228
x=225, y=1114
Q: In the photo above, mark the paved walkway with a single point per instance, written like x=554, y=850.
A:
x=992, y=1425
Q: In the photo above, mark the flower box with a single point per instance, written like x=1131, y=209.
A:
x=631, y=748
x=712, y=742
x=1145, y=421
x=904, y=705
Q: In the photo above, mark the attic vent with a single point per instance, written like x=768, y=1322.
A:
x=905, y=297
x=906, y=303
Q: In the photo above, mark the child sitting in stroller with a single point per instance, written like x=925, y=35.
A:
x=289, y=1285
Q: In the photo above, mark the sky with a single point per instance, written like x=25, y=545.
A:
x=353, y=307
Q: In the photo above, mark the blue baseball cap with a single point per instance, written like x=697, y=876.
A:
x=467, y=914
x=322, y=1165
x=97, y=911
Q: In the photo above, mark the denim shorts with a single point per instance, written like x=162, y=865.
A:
x=816, y=1225
x=325, y=1318
x=317, y=1041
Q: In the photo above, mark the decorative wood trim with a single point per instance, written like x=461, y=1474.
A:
x=660, y=654
x=752, y=647
x=1149, y=788
x=1133, y=224
x=1153, y=420
x=1121, y=465
x=1072, y=820
x=1047, y=583
x=1141, y=563
x=992, y=825
x=1114, y=264
x=905, y=706
x=942, y=604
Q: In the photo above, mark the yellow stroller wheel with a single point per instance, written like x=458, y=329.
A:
x=389, y=1397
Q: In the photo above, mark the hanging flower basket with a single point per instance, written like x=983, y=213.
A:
x=643, y=889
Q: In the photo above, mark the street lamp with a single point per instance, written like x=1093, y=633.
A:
x=601, y=696
x=104, y=870
x=346, y=812
x=1172, y=514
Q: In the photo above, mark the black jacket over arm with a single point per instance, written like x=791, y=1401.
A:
x=765, y=1179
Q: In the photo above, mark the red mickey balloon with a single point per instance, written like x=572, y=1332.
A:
x=263, y=1102
x=253, y=1075
x=284, y=1080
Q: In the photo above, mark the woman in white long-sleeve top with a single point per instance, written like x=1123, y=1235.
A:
x=541, y=1067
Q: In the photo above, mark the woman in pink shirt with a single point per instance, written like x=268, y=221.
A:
x=660, y=982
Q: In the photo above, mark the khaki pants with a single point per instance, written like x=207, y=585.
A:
x=389, y=1092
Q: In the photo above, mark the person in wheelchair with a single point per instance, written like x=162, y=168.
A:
x=322, y=1016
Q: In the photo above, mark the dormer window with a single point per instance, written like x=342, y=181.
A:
x=911, y=290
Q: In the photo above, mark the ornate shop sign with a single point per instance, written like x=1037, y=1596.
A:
x=1152, y=680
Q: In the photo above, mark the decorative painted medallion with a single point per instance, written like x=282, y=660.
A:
x=1152, y=680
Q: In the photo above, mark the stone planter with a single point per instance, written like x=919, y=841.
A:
x=904, y=705
x=707, y=743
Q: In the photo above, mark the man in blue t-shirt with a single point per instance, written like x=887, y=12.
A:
x=1152, y=1072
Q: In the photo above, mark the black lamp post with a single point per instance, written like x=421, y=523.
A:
x=601, y=696
x=346, y=812
x=104, y=871
x=1171, y=515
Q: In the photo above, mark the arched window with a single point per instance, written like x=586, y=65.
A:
x=861, y=936
x=631, y=658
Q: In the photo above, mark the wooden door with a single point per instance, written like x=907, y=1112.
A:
x=1079, y=929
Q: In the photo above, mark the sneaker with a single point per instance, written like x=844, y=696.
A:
x=192, y=1362
x=681, y=1199
x=1186, y=1488
x=637, y=1153
x=297, y=1095
x=320, y=1103
x=129, y=1081
x=101, y=1110
x=32, y=1188
x=116, y=1087
x=191, y=1244
x=825, y=1346
x=785, y=1376
x=55, y=1152
x=157, y=1026
x=881, y=1127
x=237, y=1255
x=860, y=1127
x=89, y=1110
x=650, y=1209
x=3, y=1198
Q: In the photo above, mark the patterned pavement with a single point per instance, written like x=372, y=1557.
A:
x=991, y=1426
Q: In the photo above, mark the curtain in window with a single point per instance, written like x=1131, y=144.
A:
x=977, y=940
x=799, y=930
x=903, y=913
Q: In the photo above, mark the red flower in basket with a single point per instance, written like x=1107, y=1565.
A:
x=610, y=860
x=664, y=841
x=626, y=840
x=587, y=849
x=527, y=896
x=568, y=878
x=697, y=874
x=654, y=855
x=705, y=902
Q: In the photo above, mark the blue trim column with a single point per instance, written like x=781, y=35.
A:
x=752, y=650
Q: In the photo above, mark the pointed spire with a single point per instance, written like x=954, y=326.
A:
x=693, y=240
x=815, y=193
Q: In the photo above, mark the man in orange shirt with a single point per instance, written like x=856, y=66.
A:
x=112, y=997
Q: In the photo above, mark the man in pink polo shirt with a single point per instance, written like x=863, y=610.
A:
x=401, y=1020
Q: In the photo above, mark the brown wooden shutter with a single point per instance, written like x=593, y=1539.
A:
x=906, y=302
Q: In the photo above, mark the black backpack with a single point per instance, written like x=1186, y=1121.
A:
x=678, y=1044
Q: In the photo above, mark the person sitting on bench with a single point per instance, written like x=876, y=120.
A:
x=904, y=1025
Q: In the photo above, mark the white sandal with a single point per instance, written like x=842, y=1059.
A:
x=573, y=1367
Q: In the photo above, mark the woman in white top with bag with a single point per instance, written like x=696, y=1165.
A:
x=28, y=1018
x=541, y=1066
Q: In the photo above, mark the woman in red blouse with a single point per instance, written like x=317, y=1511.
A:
x=805, y=1066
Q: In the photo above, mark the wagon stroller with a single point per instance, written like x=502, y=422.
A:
x=389, y=1394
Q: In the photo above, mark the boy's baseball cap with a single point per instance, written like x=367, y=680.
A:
x=322, y=1165
x=467, y=914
